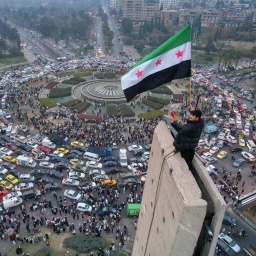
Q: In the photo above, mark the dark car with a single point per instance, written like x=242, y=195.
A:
x=29, y=194
x=108, y=210
x=73, y=156
x=56, y=174
x=235, y=149
x=56, y=159
x=6, y=139
x=110, y=158
x=15, y=173
x=2, y=143
x=110, y=164
x=52, y=186
x=79, y=148
x=25, y=147
x=62, y=165
x=20, y=151
x=37, y=173
x=17, y=143
x=239, y=162
x=224, y=249
x=229, y=221
x=8, y=166
x=113, y=170
x=77, y=152
x=131, y=181
x=138, y=152
x=44, y=180
x=134, y=160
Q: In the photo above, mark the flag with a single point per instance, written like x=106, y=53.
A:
x=171, y=60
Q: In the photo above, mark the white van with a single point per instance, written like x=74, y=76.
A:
x=251, y=145
x=15, y=201
x=8, y=130
x=14, y=132
x=92, y=157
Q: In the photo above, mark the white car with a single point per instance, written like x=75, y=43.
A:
x=32, y=144
x=135, y=166
x=11, y=195
x=7, y=115
x=230, y=242
x=146, y=154
x=76, y=175
x=70, y=182
x=2, y=155
x=24, y=186
x=231, y=139
x=56, y=153
x=248, y=156
x=201, y=142
x=72, y=195
x=214, y=150
x=83, y=207
x=221, y=136
x=134, y=147
x=96, y=172
x=6, y=151
x=47, y=165
x=94, y=164
x=244, y=106
x=246, y=132
x=3, y=170
x=231, y=121
x=42, y=158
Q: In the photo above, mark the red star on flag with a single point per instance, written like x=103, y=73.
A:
x=158, y=62
x=179, y=54
x=139, y=73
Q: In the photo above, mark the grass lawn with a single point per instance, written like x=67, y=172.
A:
x=200, y=57
x=12, y=60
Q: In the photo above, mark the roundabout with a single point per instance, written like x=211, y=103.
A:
x=109, y=90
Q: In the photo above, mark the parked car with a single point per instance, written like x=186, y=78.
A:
x=72, y=194
x=239, y=162
x=56, y=174
x=230, y=242
x=83, y=207
x=52, y=186
x=229, y=221
x=70, y=182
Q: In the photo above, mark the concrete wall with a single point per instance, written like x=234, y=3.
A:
x=172, y=211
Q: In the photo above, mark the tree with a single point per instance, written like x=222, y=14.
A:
x=127, y=25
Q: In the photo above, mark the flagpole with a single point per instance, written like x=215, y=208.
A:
x=190, y=91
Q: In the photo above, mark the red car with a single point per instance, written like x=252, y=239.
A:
x=44, y=149
x=254, y=137
x=3, y=192
x=11, y=146
x=241, y=110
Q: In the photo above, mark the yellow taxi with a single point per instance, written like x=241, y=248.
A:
x=250, y=117
x=77, y=143
x=74, y=161
x=108, y=183
x=5, y=184
x=222, y=154
x=12, y=179
x=63, y=150
x=241, y=142
x=10, y=159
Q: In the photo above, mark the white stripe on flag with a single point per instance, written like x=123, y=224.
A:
x=149, y=67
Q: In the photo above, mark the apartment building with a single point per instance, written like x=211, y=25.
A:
x=186, y=16
x=139, y=10
x=167, y=4
x=210, y=18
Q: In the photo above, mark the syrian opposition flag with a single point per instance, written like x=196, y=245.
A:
x=171, y=60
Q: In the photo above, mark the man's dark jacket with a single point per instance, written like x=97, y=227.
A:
x=188, y=134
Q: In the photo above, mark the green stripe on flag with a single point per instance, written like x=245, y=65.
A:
x=182, y=37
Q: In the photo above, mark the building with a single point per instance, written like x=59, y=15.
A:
x=187, y=16
x=210, y=18
x=181, y=211
x=138, y=10
x=168, y=4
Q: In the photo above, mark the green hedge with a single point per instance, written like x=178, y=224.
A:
x=46, y=251
x=71, y=103
x=80, y=107
x=60, y=92
x=109, y=75
x=74, y=80
x=99, y=75
x=151, y=115
x=162, y=90
x=152, y=104
x=83, y=73
x=84, y=244
x=47, y=102
x=112, y=110
x=158, y=100
x=126, y=111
